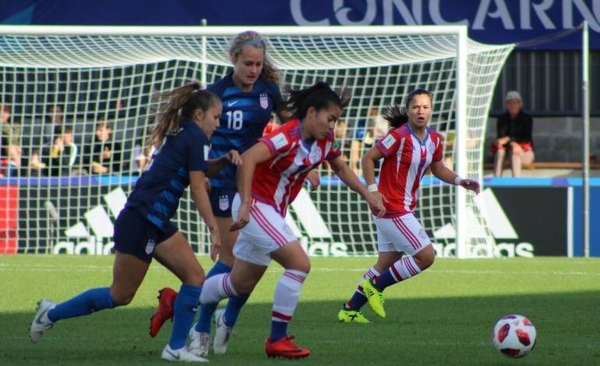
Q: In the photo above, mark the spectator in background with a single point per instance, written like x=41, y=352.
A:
x=341, y=135
x=54, y=123
x=514, y=134
x=367, y=132
x=103, y=156
x=10, y=148
x=62, y=154
x=141, y=156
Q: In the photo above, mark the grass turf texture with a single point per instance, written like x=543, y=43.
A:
x=442, y=317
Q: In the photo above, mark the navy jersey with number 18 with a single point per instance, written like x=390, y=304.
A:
x=244, y=117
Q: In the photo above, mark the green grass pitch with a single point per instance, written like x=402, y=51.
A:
x=442, y=317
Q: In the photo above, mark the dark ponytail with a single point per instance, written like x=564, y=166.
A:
x=318, y=96
x=181, y=103
x=397, y=116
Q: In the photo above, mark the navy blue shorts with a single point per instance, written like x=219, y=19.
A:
x=220, y=201
x=137, y=236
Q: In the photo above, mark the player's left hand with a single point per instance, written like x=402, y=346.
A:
x=471, y=185
x=314, y=179
x=242, y=219
x=234, y=157
x=215, y=240
x=376, y=200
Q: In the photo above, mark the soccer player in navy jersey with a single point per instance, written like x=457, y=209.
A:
x=143, y=229
x=250, y=95
x=270, y=178
x=408, y=150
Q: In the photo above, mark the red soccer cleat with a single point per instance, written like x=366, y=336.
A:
x=285, y=348
x=164, y=312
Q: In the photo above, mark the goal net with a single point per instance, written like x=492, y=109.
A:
x=108, y=75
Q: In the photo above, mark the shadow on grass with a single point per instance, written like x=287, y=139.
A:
x=440, y=331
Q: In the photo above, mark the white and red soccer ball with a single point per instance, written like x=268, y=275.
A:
x=514, y=335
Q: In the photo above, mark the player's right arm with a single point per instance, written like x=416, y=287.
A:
x=250, y=159
x=201, y=201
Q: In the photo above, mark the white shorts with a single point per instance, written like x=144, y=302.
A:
x=401, y=234
x=266, y=232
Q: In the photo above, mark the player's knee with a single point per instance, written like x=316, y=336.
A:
x=244, y=287
x=425, y=257
x=122, y=298
x=300, y=264
x=196, y=278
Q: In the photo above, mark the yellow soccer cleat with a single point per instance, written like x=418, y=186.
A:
x=375, y=297
x=352, y=316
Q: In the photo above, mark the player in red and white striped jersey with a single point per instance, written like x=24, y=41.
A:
x=271, y=176
x=408, y=151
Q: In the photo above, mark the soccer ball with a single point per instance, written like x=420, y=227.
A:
x=514, y=335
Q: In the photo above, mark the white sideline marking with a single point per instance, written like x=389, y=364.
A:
x=70, y=268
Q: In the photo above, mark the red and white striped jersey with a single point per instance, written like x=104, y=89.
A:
x=406, y=159
x=278, y=180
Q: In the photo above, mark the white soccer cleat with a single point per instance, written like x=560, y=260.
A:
x=183, y=354
x=41, y=323
x=199, y=343
x=222, y=333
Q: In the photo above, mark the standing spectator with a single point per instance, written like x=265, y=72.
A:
x=10, y=142
x=61, y=156
x=143, y=229
x=102, y=155
x=408, y=150
x=250, y=96
x=514, y=134
x=271, y=176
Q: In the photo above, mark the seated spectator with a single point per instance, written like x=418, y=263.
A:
x=101, y=155
x=514, y=135
x=62, y=154
x=54, y=123
x=140, y=159
x=10, y=148
x=341, y=136
x=365, y=134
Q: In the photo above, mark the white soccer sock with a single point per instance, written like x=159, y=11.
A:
x=405, y=268
x=287, y=294
x=370, y=273
x=216, y=289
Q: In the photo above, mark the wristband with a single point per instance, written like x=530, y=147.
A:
x=372, y=188
x=457, y=180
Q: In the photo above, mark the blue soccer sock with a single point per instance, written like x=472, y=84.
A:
x=184, y=310
x=233, y=309
x=207, y=310
x=358, y=299
x=278, y=330
x=356, y=302
x=83, y=304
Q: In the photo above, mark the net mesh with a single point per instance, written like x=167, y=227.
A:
x=50, y=207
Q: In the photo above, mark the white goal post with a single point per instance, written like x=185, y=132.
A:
x=110, y=73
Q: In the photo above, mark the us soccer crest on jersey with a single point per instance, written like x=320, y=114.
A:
x=264, y=101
